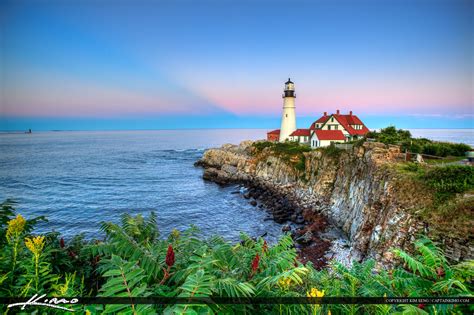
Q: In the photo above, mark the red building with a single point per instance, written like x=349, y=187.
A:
x=273, y=136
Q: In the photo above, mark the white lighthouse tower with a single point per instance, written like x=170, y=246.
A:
x=288, y=118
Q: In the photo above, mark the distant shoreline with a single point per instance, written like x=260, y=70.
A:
x=184, y=129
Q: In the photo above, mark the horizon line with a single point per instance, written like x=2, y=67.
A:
x=22, y=131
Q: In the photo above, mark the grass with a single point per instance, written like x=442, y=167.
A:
x=291, y=152
x=449, y=180
x=448, y=159
x=452, y=218
x=451, y=188
x=332, y=151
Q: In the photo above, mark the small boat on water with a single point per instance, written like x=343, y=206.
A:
x=29, y=131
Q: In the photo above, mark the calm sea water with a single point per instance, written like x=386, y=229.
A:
x=78, y=179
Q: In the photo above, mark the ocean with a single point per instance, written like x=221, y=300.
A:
x=78, y=179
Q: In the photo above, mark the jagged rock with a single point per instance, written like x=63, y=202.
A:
x=355, y=191
x=286, y=228
x=299, y=219
x=306, y=238
x=279, y=219
x=253, y=203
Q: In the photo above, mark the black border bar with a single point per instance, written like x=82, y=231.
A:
x=252, y=300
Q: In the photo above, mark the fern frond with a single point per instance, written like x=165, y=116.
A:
x=413, y=264
x=233, y=288
x=293, y=274
x=431, y=255
x=446, y=286
x=124, y=279
x=197, y=284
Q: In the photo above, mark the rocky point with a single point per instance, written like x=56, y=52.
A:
x=354, y=191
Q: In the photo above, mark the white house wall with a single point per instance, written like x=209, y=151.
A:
x=333, y=124
x=322, y=143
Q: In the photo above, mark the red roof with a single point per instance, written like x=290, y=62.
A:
x=345, y=121
x=322, y=120
x=329, y=134
x=301, y=132
x=274, y=132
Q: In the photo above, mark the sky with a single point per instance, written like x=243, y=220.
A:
x=103, y=64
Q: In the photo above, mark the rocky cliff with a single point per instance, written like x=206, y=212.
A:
x=356, y=190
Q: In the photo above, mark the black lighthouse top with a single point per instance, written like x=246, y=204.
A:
x=289, y=89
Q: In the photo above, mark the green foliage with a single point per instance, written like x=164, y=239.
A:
x=124, y=279
x=413, y=167
x=391, y=135
x=290, y=151
x=282, y=148
x=133, y=261
x=259, y=146
x=300, y=165
x=332, y=151
x=449, y=180
x=446, y=181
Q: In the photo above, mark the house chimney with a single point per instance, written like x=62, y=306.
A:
x=350, y=113
x=337, y=112
x=325, y=113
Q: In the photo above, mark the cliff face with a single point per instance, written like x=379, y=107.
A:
x=357, y=190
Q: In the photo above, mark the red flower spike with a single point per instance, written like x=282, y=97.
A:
x=61, y=243
x=170, y=256
x=255, y=263
x=440, y=271
x=422, y=306
x=265, y=246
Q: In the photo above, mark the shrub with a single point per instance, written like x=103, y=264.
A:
x=301, y=164
x=289, y=151
x=391, y=135
x=133, y=261
x=413, y=167
x=259, y=146
x=290, y=148
x=449, y=180
x=332, y=151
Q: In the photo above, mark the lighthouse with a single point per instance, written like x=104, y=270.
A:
x=288, y=117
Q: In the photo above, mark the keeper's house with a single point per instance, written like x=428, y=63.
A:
x=336, y=128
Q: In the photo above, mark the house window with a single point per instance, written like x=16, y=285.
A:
x=336, y=126
x=329, y=127
x=332, y=119
x=286, y=115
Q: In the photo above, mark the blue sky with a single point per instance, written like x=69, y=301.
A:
x=194, y=64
